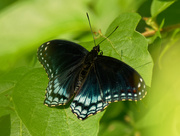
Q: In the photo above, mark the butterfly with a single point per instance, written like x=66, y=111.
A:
x=89, y=79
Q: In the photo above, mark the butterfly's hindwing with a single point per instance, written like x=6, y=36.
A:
x=62, y=61
x=118, y=81
x=61, y=88
x=88, y=100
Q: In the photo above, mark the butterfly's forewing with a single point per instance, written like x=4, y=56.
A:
x=88, y=100
x=118, y=81
x=62, y=61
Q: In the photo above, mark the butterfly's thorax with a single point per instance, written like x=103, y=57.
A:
x=86, y=66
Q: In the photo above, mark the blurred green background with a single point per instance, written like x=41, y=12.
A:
x=26, y=24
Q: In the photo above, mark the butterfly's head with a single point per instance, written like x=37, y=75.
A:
x=96, y=49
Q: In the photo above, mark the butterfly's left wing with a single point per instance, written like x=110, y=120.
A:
x=62, y=61
x=88, y=100
x=118, y=81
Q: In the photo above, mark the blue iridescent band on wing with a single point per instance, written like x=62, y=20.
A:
x=88, y=100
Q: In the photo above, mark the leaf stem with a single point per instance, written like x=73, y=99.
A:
x=150, y=32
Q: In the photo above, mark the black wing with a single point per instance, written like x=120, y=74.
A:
x=88, y=100
x=118, y=81
x=62, y=61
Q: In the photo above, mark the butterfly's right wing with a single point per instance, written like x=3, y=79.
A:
x=62, y=61
x=118, y=81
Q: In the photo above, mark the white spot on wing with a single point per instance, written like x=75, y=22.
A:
x=87, y=102
x=82, y=99
x=79, y=108
x=61, y=100
x=77, y=112
x=77, y=98
x=94, y=99
x=84, y=112
x=141, y=79
x=56, y=90
x=56, y=99
x=92, y=108
x=49, y=91
x=99, y=98
x=108, y=97
x=72, y=105
x=50, y=70
x=99, y=104
x=50, y=98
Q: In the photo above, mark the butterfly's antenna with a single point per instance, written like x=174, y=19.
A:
x=109, y=35
x=91, y=28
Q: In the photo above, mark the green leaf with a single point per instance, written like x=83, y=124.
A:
x=171, y=16
x=7, y=84
x=28, y=98
x=5, y=125
x=158, y=6
x=127, y=44
x=132, y=44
